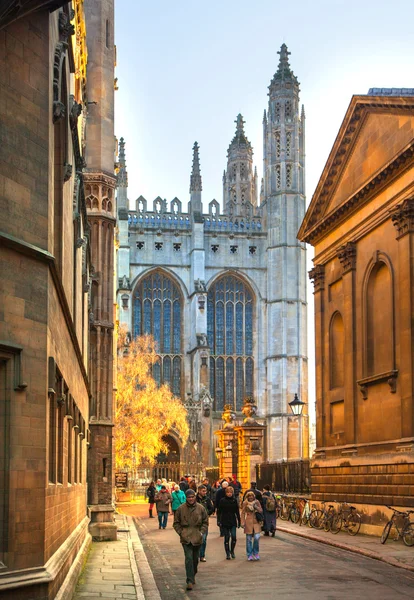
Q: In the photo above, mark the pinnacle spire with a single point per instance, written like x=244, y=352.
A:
x=240, y=138
x=195, y=180
x=122, y=178
x=284, y=73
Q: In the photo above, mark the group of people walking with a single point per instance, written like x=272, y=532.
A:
x=192, y=506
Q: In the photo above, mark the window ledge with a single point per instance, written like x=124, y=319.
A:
x=389, y=376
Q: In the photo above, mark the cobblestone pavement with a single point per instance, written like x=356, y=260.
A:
x=291, y=567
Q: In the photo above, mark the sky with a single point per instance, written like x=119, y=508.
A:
x=185, y=70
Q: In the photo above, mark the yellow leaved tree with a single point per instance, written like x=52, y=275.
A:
x=145, y=412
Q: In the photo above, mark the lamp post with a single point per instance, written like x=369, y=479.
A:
x=296, y=407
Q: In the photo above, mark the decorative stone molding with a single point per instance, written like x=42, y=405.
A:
x=402, y=217
x=347, y=256
x=124, y=283
x=317, y=275
x=200, y=286
x=228, y=417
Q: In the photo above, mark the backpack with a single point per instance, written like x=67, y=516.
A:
x=270, y=504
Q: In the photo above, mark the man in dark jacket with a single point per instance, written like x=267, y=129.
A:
x=237, y=487
x=221, y=492
x=183, y=484
x=191, y=522
x=203, y=499
x=256, y=492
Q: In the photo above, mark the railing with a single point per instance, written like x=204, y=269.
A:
x=183, y=221
x=169, y=471
x=285, y=476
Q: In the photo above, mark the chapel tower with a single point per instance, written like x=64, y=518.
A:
x=284, y=209
x=100, y=185
x=239, y=180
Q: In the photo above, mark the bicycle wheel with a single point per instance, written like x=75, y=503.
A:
x=304, y=520
x=327, y=523
x=336, y=523
x=353, y=523
x=315, y=518
x=294, y=515
x=408, y=535
x=386, y=532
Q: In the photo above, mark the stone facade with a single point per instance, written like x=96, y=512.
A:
x=360, y=221
x=45, y=298
x=256, y=245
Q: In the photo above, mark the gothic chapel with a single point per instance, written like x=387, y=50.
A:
x=224, y=293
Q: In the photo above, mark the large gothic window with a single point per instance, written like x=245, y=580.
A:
x=157, y=304
x=230, y=337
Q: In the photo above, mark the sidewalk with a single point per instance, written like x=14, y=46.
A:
x=111, y=571
x=394, y=553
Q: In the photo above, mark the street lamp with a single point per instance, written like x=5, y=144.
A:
x=227, y=451
x=296, y=406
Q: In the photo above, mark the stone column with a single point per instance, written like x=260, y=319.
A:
x=226, y=439
x=347, y=257
x=403, y=220
x=317, y=275
x=250, y=444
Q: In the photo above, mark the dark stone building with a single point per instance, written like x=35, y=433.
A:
x=55, y=291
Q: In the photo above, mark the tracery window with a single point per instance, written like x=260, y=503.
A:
x=157, y=303
x=278, y=145
x=230, y=337
x=288, y=143
x=288, y=176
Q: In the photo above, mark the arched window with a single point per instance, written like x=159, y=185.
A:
x=379, y=321
x=336, y=351
x=157, y=303
x=230, y=337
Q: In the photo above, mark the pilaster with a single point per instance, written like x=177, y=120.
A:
x=317, y=275
x=403, y=219
x=347, y=257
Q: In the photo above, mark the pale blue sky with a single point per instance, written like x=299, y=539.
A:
x=187, y=68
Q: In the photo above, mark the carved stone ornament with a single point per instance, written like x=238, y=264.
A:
x=317, y=275
x=124, y=283
x=402, y=217
x=347, y=256
x=67, y=171
x=206, y=401
x=201, y=301
x=58, y=106
x=194, y=417
x=202, y=340
x=125, y=300
x=249, y=410
x=75, y=112
x=200, y=286
x=66, y=28
x=228, y=417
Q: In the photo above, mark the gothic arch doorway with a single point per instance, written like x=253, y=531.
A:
x=168, y=463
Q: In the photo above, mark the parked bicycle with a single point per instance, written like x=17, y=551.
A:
x=404, y=531
x=346, y=517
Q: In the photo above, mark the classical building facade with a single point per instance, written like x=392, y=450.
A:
x=222, y=289
x=361, y=223
x=52, y=309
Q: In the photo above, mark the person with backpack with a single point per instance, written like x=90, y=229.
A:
x=269, y=511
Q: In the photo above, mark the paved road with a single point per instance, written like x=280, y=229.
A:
x=291, y=568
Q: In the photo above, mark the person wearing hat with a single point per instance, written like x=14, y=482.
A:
x=191, y=523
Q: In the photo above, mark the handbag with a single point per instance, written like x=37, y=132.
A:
x=259, y=516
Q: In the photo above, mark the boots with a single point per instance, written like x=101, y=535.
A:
x=227, y=549
x=150, y=513
x=233, y=545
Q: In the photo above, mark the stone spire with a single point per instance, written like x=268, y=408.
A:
x=240, y=138
x=122, y=178
x=284, y=73
x=239, y=181
x=196, y=206
x=195, y=181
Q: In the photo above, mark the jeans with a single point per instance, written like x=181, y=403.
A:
x=191, y=561
x=252, y=543
x=203, y=545
x=162, y=519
